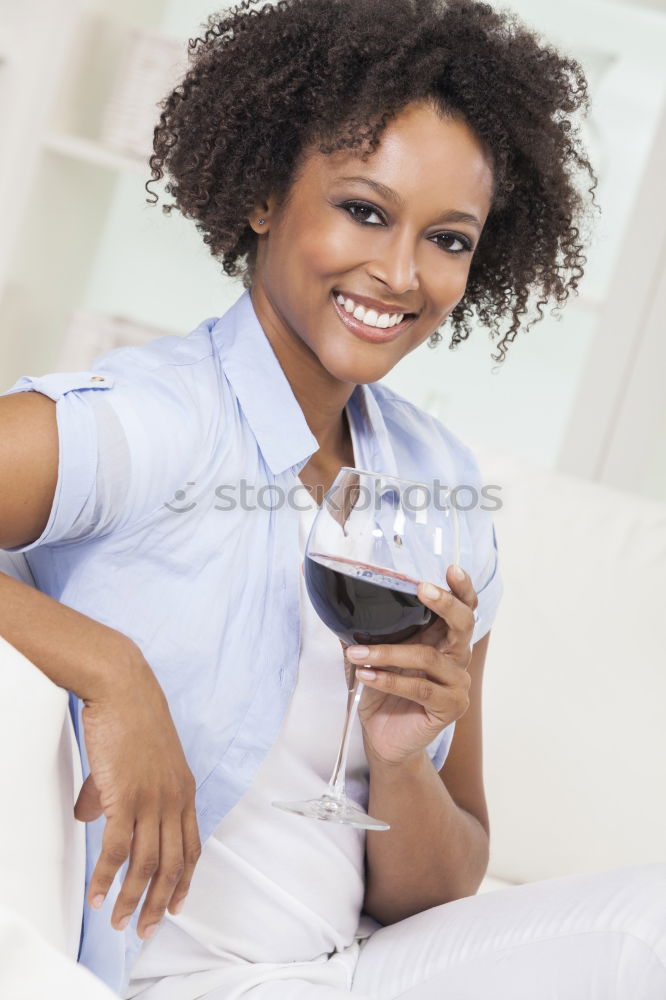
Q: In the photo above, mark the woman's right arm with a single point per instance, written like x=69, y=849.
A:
x=139, y=776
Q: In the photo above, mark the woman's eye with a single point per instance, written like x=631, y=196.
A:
x=360, y=211
x=448, y=239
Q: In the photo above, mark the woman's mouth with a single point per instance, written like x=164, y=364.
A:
x=373, y=334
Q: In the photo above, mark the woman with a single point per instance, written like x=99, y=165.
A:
x=372, y=170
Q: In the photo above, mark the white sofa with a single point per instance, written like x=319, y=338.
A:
x=574, y=695
x=575, y=682
x=42, y=846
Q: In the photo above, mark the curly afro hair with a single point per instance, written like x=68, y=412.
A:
x=265, y=84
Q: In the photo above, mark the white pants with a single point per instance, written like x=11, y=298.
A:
x=589, y=937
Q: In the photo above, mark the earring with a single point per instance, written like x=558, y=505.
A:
x=261, y=222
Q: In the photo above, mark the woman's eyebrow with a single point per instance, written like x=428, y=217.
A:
x=453, y=215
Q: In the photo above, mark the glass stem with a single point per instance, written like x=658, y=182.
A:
x=337, y=783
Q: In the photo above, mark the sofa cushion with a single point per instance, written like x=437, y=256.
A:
x=575, y=682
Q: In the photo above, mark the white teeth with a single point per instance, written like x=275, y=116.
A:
x=370, y=316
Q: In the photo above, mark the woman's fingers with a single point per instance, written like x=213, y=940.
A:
x=423, y=661
x=144, y=863
x=166, y=876
x=439, y=700
x=163, y=854
x=456, y=607
x=191, y=854
x=116, y=846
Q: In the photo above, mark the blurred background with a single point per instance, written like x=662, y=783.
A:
x=86, y=264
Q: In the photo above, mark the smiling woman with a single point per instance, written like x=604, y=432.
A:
x=334, y=76
x=390, y=259
x=372, y=170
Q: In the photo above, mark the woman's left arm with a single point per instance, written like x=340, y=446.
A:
x=437, y=848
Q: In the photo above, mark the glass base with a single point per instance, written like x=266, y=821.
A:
x=334, y=810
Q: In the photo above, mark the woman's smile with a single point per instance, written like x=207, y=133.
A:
x=365, y=331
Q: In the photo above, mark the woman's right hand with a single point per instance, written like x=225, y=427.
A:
x=140, y=780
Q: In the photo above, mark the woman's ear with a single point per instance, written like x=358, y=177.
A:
x=259, y=219
x=259, y=223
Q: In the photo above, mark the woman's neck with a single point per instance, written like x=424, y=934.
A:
x=322, y=397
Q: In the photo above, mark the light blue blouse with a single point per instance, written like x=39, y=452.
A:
x=167, y=525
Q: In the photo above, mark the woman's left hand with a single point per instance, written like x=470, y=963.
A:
x=402, y=710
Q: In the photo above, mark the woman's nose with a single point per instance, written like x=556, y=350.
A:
x=397, y=266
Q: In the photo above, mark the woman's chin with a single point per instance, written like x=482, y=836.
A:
x=358, y=365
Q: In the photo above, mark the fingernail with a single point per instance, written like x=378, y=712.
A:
x=122, y=924
x=149, y=931
x=366, y=675
x=179, y=905
x=357, y=651
x=97, y=902
x=458, y=573
x=430, y=591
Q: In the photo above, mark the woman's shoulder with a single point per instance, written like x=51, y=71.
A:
x=172, y=359
x=170, y=385
x=132, y=430
x=424, y=435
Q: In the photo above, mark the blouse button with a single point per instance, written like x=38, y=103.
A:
x=97, y=378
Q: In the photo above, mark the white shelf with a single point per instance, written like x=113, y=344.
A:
x=89, y=151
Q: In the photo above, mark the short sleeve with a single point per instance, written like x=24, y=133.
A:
x=485, y=568
x=118, y=456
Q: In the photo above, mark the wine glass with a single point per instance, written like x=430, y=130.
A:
x=373, y=539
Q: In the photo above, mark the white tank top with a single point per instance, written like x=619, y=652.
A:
x=271, y=886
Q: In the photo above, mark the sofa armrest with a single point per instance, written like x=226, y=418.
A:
x=42, y=845
x=32, y=967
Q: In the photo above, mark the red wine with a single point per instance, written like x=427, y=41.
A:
x=363, y=603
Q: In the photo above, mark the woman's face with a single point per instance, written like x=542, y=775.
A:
x=395, y=233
